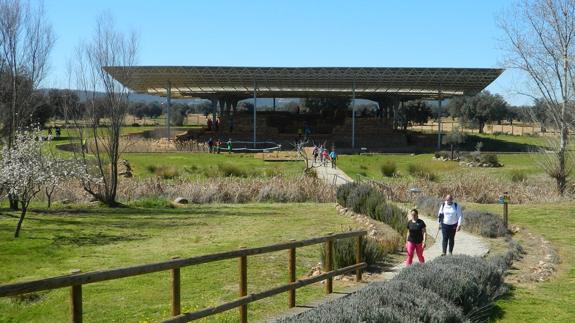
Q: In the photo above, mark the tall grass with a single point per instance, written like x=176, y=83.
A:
x=212, y=190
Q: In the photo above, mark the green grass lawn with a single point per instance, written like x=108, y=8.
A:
x=208, y=165
x=370, y=165
x=550, y=301
x=53, y=242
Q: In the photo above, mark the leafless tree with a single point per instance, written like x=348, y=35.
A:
x=539, y=39
x=26, y=39
x=100, y=141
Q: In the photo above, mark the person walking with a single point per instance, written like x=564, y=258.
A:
x=416, y=236
x=315, y=153
x=229, y=143
x=324, y=157
x=450, y=220
x=210, y=145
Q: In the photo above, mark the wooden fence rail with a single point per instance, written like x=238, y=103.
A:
x=77, y=279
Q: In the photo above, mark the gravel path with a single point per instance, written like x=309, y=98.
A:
x=465, y=243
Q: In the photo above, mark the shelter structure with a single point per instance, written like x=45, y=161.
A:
x=225, y=86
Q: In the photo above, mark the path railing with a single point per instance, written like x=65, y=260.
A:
x=76, y=280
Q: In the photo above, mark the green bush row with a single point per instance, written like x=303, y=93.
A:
x=449, y=289
x=364, y=199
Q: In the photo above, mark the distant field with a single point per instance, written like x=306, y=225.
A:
x=207, y=165
x=370, y=165
x=53, y=242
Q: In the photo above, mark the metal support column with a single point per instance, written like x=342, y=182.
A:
x=169, y=99
x=255, y=104
x=353, y=116
x=214, y=112
x=439, y=122
x=274, y=104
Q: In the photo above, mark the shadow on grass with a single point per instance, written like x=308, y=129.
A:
x=427, y=143
x=497, y=313
x=135, y=218
x=98, y=239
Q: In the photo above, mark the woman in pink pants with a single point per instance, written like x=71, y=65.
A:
x=416, y=236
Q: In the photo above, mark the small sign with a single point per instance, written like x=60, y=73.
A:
x=503, y=199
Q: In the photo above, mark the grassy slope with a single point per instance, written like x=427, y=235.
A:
x=553, y=300
x=54, y=242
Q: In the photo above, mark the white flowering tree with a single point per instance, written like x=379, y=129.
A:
x=58, y=170
x=25, y=169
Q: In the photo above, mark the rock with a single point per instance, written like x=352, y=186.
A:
x=180, y=200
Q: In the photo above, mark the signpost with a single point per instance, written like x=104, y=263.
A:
x=504, y=199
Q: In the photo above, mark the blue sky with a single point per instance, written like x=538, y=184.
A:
x=391, y=33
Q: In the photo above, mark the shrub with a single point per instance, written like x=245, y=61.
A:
x=191, y=169
x=151, y=202
x=391, y=215
x=389, y=168
x=484, y=223
x=394, y=301
x=343, y=192
x=489, y=158
x=151, y=168
x=274, y=172
x=418, y=170
x=166, y=172
x=231, y=170
x=357, y=197
x=344, y=252
x=518, y=176
x=470, y=283
x=442, y=154
x=374, y=198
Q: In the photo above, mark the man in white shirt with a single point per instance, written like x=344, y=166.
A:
x=450, y=220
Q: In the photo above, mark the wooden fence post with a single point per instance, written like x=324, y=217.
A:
x=176, y=291
x=76, y=301
x=243, y=286
x=291, y=269
x=358, y=258
x=329, y=265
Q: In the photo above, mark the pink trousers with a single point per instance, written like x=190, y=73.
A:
x=418, y=247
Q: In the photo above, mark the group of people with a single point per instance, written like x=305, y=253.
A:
x=214, y=147
x=211, y=125
x=57, y=131
x=321, y=153
x=450, y=219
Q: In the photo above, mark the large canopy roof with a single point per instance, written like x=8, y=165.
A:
x=368, y=82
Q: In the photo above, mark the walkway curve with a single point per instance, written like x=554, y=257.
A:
x=465, y=242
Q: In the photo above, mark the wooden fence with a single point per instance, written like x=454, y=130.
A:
x=76, y=280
